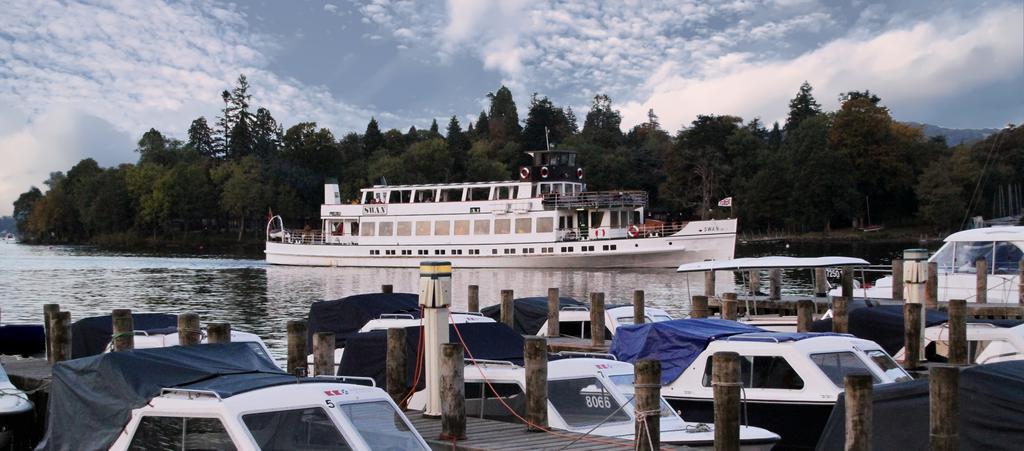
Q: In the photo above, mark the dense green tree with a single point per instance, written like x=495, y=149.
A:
x=23, y=207
x=458, y=149
x=267, y=134
x=802, y=106
x=242, y=193
x=602, y=125
x=944, y=189
x=482, y=166
x=372, y=138
x=545, y=123
x=483, y=126
x=200, y=138
x=154, y=148
x=698, y=167
x=435, y=131
x=822, y=188
x=503, y=118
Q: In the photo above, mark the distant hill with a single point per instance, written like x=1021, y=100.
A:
x=954, y=136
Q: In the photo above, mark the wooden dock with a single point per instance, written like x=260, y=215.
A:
x=496, y=435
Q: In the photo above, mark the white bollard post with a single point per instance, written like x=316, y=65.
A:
x=435, y=298
x=915, y=281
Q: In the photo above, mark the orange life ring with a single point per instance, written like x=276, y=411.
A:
x=633, y=231
x=524, y=173
x=544, y=172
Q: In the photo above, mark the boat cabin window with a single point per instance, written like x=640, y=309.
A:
x=404, y=228
x=462, y=227
x=380, y=425
x=442, y=228
x=836, y=365
x=579, y=329
x=584, y=402
x=367, y=229
x=502, y=226
x=888, y=365
x=425, y=195
x=558, y=159
x=968, y=253
x=386, y=228
x=483, y=401
x=763, y=371
x=479, y=193
x=400, y=196
x=482, y=227
x=299, y=429
x=451, y=195
x=502, y=192
x=422, y=228
x=596, y=219
x=1008, y=257
x=545, y=225
x=181, y=433
x=624, y=382
x=524, y=225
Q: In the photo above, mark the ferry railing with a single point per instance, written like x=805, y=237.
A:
x=595, y=199
x=633, y=231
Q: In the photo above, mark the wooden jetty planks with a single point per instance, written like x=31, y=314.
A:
x=496, y=435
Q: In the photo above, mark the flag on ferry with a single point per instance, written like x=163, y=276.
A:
x=727, y=202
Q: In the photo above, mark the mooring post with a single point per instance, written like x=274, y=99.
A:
x=60, y=328
x=639, y=311
x=123, y=328
x=507, y=308
x=820, y=283
x=535, y=355
x=725, y=377
x=699, y=306
x=847, y=282
x=728, y=306
x=755, y=281
x=775, y=285
x=297, y=355
x=944, y=408
x=435, y=299
x=387, y=289
x=473, y=299
x=396, y=370
x=1020, y=282
x=912, y=335
x=554, y=329
x=981, y=271
x=858, y=412
x=48, y=311
x=323, y=354
x=647, y=386
x=897, y=279
x=218, y=333
x=189, y=332
x=597, y=319
x=931, y=289
x=804, y=315
x=957, y=332
x=453, y=397
x=709, y=283
x=840, y=315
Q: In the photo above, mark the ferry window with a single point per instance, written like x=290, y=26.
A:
x=502, y=226
x=488, y=401
x=888, y=366
x=623, y=218
x=545, y=188
x=524, y=225
x=584, y=402
x=479, y=193
x=367, y=229
x=425, y=195
x=494, y=252
x=462, y=227
x=482, y=227
x=515, y=192
x=561, y=222
x=404, y=228
x=596, y=219
x=442, y=228
x=968, y=253
x=380, y=424
x=615, y=219
x=836, y=365
x=763, y=372
x=386, y=228
x=501, y=192
x=422, y=228
x=1008, y=256
x=451, y=195
x=545, y=225
x=181, y=433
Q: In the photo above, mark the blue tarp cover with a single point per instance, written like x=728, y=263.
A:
x=90, y=336
x=675, y=343
x=530, y=314
x=347, y=315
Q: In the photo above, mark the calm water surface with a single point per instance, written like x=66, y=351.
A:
x=260, y=298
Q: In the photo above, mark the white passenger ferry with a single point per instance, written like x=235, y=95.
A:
x=546, y=219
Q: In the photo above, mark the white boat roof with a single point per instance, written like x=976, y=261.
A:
x=771, y=262
x=994, y=233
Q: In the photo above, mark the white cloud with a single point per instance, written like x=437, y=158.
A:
x=331, y=8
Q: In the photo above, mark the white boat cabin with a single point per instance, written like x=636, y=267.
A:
x=986, y=343
x=574, y=321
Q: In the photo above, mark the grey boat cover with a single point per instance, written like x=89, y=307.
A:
x=90, y=336
x=529, y=314
x=347, y=315
x=991, y=406
x=91, y=399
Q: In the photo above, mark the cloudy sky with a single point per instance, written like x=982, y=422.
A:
x=86, y=78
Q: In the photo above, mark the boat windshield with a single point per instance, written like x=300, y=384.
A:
x=584, y=402
x=381, y=426
x=837, y=365
x=888, y=365
x=624, y=382
x=299, y=429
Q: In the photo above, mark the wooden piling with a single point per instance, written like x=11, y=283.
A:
x=699, y=307
x=60, y=330
x=123, y=328
x=507, y=308
x=981, y=271
x=554, y=329
x=597, y=319
x=897, y=279
x=48, y=311
x=840, y=315
x=453, y=397
x=297, y=354
x=943, y=402
x=725, y=376
x=473, y=298
x=709, y=283
x=728, y=306
x=647, y=386
x=820, y=283
x=396, y=370
x=323, y=354
x=858, y=412
x=755, y=281
x=188, y=329
x=931, y=287
x=639, y=312
x=775, y=285
x=218, y=333
x=535, y=356
x=1020, y=282
x=387, y=289
x=957, y=332
x=847, y=282
x=804, y=315
x=911, y=335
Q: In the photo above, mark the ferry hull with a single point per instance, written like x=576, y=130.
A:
x=663, y=252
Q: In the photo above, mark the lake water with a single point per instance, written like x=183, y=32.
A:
x=260, y=298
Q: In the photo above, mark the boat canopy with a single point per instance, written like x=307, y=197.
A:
x=741, y=264
x=780, y=337
x=530, y=313
x=90, y=336
x=22, y=339
x=347, y=315
x=675, y=343
x=994, y=233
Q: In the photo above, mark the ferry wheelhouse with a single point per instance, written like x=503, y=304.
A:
x=547, y=219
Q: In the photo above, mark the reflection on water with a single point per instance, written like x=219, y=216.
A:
x=259, y=298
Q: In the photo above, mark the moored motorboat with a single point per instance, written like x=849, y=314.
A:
x=15, y=414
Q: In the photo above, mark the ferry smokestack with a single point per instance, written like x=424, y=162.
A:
x=435, y=298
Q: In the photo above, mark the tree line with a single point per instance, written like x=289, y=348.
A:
x=820, y=169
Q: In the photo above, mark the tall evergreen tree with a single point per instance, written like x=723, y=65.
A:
x=267, y=134
x=544, y=123
x=435, y=131
x=458, y=148
x=775, y=137
x=373, y=139
x=200, y=138
x=483, y=126
x=504, y=119
x=802, y=107
x=602, y=124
